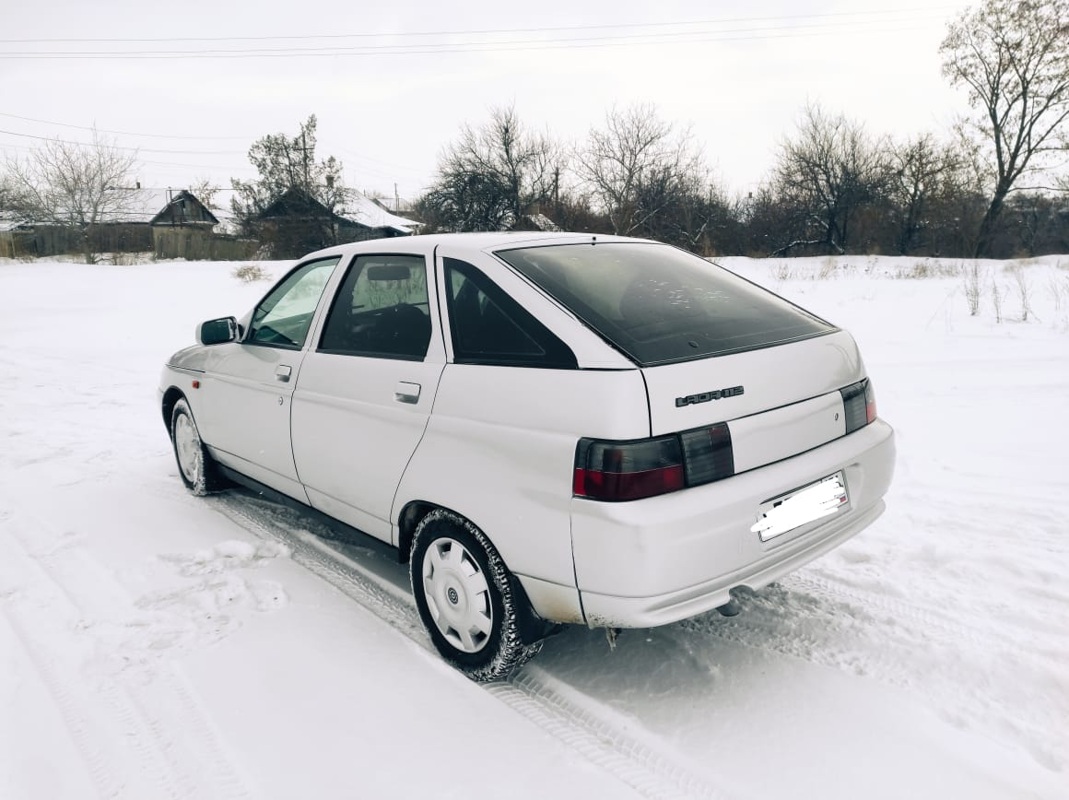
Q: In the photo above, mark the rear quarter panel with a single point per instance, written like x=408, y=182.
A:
x=500, y=450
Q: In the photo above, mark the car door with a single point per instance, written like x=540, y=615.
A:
x=365, y=391
x=248, y=384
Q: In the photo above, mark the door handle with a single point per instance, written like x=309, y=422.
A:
x=283, y=372
x=405, y=392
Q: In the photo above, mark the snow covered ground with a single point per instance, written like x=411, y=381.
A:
x=156, y=645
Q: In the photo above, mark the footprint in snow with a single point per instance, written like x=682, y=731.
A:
x=228, y=555
x=210, y=598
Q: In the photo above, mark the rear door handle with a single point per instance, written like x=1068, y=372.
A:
x=283, y=372
x=405, y=392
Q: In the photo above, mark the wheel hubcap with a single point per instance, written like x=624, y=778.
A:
x=458, y=595
x=187, y=445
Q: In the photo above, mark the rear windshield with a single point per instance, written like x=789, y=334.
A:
x=661, y=305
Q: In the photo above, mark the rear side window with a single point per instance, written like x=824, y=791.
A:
x=489, y=327
x=661, y=305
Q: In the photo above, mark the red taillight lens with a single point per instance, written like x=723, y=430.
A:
x=628, y=470
x=870, y=402
x=615, y=471
x=859, y=404
x=627, y=485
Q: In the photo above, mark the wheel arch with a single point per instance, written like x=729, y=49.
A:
x=531, y=626
x=170, y=398
x=407, y=522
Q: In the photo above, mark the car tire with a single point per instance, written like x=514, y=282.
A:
x=468, y=601
x=196, y=467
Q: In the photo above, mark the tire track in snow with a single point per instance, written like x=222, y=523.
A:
x=569, y=717
x=1006, y=650
x=141, y=736
x=100, y=760
x=864, y=632
x=562, y=711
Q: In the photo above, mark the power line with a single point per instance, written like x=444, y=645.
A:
x=378, y=167
x=383, y=169
x=437, y=48
x=120, y=147
x=911, y=12
x=126, y=133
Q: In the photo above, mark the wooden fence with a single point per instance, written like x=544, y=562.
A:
x=197, y=244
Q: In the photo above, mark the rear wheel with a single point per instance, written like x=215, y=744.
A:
x=466, y=598
x=196, y=467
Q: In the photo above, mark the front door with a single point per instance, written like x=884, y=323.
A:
x=250, y=382
x=365, y=392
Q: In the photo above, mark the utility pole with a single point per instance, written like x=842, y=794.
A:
x=304, y=153
x=556, y=193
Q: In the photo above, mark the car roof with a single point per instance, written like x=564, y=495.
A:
x=473, y=242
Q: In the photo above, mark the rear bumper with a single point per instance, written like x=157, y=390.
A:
x=655, y=561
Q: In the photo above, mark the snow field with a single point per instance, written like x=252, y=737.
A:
x=153, y=644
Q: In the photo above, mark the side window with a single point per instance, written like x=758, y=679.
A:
x=283, y=317
x=489, y=327
x=381, y=310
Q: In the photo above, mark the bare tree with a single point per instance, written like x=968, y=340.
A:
x=76, y=185
x=205, y=190
x=1013, y=58
x=825, y=178
x=637, y=166
x=492, y=176
x=919, y=170
x=8, y=197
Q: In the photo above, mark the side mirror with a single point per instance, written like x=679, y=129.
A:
x=218, y=331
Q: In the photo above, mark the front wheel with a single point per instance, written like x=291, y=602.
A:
x=466, y=598
x=196, y=467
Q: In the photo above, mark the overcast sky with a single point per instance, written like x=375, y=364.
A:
x=193, y=85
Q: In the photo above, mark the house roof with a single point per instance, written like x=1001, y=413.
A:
x=13, y=221
x=178, y=209
x=358, y=209
x=139, y=205
x=365, y=211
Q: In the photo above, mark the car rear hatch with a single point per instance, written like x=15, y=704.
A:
x=736, y=376
x=776, y=401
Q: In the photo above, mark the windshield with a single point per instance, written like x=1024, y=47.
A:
x=659, y=304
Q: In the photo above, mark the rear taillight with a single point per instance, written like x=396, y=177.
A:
x=616, y=471
x=859, y=403
x=708, y=454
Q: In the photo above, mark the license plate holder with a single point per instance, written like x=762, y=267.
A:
x=802, y=506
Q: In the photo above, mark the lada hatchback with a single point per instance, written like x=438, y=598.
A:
x=550, y=428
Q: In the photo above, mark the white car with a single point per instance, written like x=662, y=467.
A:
x=551, y=428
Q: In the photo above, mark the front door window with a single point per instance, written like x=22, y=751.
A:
x=285, y=315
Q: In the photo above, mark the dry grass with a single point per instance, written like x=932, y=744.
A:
x=249, y=273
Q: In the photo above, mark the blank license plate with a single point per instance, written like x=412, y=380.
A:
x=800, y=507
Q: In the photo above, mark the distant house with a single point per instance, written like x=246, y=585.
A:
x=535, y=222
x=123, y=228
x=172, y=223
x=16, y=235
x=296, y=223
x=186, y=228
x=183, y=208
x=372, y=216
